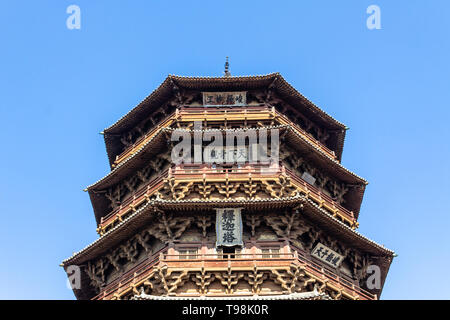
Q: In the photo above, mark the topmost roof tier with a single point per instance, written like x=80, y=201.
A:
x=172, y=85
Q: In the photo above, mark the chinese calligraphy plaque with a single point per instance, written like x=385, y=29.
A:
x=229, y=227
x=327, y=255
x=225, y=98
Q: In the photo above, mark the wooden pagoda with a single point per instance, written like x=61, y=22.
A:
x=160, y=223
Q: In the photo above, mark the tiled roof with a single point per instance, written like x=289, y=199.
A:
x=202, y=82
x=127, y=160
x=182, y=203
x=335, y=163
x=135, y=158
x=165, y=91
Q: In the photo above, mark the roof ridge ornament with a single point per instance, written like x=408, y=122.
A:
x=227, y=72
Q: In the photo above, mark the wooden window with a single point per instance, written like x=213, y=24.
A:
x=188, y=253
x=270, y=252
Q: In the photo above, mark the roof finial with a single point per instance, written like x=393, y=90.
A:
x=227, y=65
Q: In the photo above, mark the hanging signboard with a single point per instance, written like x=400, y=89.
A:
x=228, y=227
x=233, y=154
x=327, y=255
x=224, y=98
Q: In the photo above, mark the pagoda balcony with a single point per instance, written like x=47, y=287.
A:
x=191, y=173
x=218, y=262
x=132, y=203
x=256, y=172
x=211, y=114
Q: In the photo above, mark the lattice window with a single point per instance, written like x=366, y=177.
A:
x=270, y=252
x=188, y=253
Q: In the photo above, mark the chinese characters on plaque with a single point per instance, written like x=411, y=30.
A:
x=235, y=154
x=224, y=98
x=327, y=255
x=228, y=227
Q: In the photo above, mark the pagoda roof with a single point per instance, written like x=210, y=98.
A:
x=165, y=91
x=138, y=155
x=154, y=145
x=134, y=222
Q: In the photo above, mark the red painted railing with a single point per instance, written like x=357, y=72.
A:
x=188, y=173
x=298, y=256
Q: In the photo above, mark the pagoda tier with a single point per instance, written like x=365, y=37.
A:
x=143, y=174
x=269, y=90
x=278, y=238
x=222, y=184
x=293, y=221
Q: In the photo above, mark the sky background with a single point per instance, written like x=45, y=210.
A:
x=59, y=88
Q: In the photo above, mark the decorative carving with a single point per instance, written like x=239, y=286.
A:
x=169, y=227
x=114, y=257
x=164, y=280
x=284, y=278
x=250, y=188
x=319, y=133
x=145, y=173
x=130, y=137
x=127, y=139
x=176, y=189
x=339, y=190
x=129, y=250
x=293, y=279
x=360, y=264
x=202, y=280
x=131, y=182
x=301, y=279
x=227, y=188
x=127, y=187
x=280, y=187
x=253, y=221
x=255, y=279
x=287, y=225
x=229, y=279
x=324, y=182
x=114, y=195
x=97, y=272
x=204, y=222
x=204, y=189
x=313, y=235
x=170, y=280
x=143, y=239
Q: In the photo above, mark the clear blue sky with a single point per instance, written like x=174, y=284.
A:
x=59, y=88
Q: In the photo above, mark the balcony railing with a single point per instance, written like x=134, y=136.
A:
x=237, y=261
x=135, y=274
x=133, y=201
x=340, y=281
x=193, y=173
x=224, y=257
x=323, y=200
